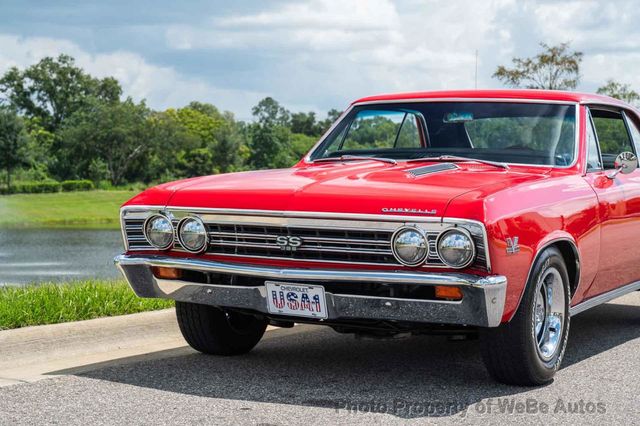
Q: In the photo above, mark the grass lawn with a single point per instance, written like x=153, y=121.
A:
x=74, y=301
x=90, y=209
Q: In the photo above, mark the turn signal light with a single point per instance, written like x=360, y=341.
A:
x=166, y=273
x=448, y=292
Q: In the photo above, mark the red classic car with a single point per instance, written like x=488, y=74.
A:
x=498, y=213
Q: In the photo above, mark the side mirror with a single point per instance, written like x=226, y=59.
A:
x=625, y=163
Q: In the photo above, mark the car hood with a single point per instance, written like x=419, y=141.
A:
x=367, y=187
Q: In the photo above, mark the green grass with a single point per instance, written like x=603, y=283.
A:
x=90, y=209
x=75, y=301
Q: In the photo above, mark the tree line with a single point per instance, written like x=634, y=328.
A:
x=58, y=122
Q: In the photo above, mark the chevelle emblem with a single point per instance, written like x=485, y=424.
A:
x=288, y=243
x=407, y=210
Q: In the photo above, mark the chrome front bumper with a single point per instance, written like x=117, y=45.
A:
x=482, y=303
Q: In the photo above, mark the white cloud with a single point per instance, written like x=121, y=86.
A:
x=321, y=54
x=607, y=33
x=161, y=86
x=345, y=49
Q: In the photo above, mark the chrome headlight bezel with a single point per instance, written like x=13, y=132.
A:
x=205, y=234
x=423, y=235
x=145, y=230
x=466, y=234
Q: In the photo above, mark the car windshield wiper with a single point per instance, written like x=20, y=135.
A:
x=355, y=158
x=457, y=158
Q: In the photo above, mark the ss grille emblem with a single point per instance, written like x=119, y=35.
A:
x=287, y=243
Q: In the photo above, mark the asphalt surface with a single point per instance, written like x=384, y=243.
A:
x=312, y=375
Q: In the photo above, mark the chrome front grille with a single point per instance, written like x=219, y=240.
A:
x=135, y=235
x=323, y=240
x=370, y=246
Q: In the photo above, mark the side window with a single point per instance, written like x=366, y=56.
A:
x=612, y=135
x=635, y=133
x=593, y=155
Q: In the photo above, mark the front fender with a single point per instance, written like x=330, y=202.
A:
x=562, y=209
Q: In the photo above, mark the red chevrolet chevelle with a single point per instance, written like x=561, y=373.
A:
x=502, y=213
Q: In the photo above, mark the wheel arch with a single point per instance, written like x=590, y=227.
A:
x=571, y=256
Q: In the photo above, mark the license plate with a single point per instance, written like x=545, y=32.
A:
x=298, y=300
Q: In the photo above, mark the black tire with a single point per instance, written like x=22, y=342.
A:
x=215, y=331
x=510, y=351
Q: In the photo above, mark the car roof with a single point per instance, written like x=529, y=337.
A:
x=520, y=94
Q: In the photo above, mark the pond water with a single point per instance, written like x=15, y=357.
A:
x=37, y=255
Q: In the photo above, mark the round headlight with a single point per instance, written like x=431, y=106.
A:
x=456, y=248
x=193, y=234
x=158, y=230
x=409, y=246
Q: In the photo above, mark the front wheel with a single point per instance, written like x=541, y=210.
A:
x=216, y=331
x=528, y=350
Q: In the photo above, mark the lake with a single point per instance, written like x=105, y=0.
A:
x=37, y=255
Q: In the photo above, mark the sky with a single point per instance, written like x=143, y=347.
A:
x=313, y=55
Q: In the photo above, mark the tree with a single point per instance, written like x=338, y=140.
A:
x=13, y=143
x=270, y=147
x=169, y=140
x=270, y=112
x=305, y=123
x=231, y=144
x=624, y=92
x=269, y=137
x=116, y=133
x=218, y=133
x=555, y=68
x=301, y=144
x=54, y=89
x=332, y=115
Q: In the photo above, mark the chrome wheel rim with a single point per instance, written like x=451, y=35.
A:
x=549, y=313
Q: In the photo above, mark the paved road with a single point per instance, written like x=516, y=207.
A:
x=311, y=376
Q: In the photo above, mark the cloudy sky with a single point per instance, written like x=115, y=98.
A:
x=313, y=54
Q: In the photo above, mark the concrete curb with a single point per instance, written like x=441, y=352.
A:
x=34, y=353
x=28, y=354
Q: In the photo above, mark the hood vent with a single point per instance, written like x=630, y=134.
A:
x=434, y=168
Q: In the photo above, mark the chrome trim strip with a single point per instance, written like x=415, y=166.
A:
x=605, y=103
x=418, y=278
x=604, y=298
x=431, y=169
x=303, y=248
x=231, y=235
x=459, y=99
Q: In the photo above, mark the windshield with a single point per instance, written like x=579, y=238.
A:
x=516, y=133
